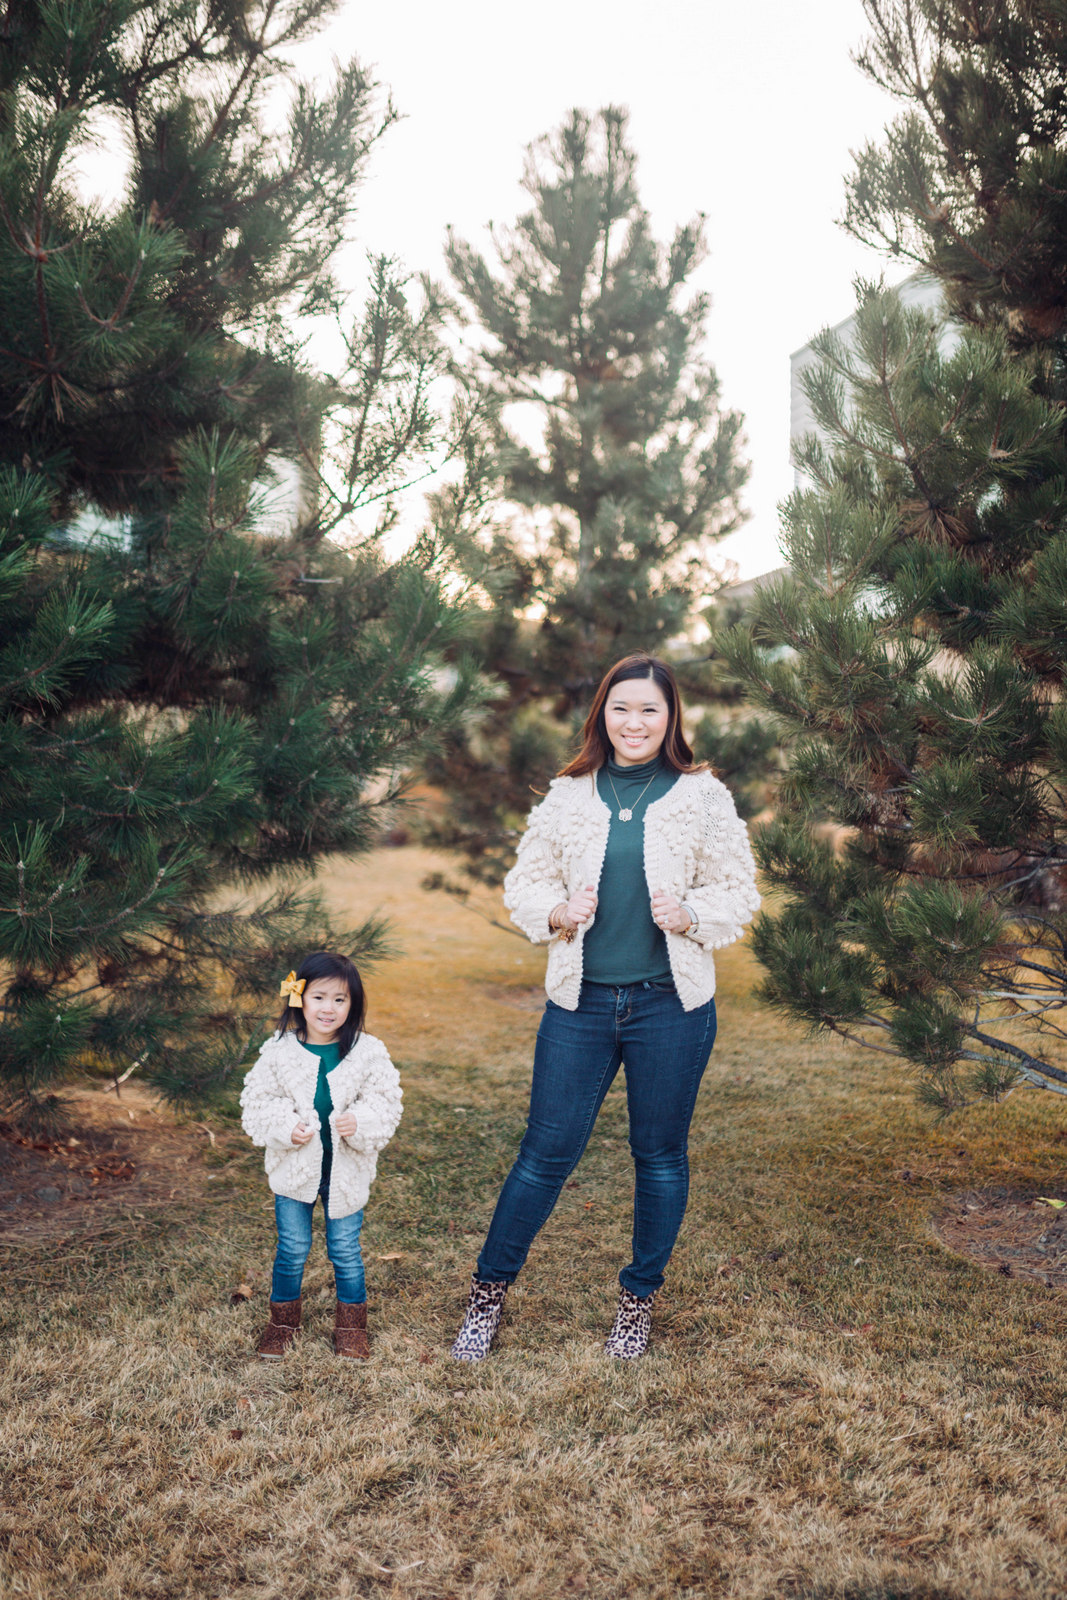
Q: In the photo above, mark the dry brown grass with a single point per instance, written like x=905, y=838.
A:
x=834, y=1405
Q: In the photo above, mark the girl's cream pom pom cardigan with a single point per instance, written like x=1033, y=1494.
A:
x=279, y=1092
x=696, y=847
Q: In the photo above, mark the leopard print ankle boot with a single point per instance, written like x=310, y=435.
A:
x=628, y=1338
x=484, y=1306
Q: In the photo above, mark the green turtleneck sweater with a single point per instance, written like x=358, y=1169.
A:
x=329, y=1055
x=624, y=945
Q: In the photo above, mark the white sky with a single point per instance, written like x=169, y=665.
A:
x=745, y=112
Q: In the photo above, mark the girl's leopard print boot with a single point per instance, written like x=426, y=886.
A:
x=628, y=1338
x=484, y=1306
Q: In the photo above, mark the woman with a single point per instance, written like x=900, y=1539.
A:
x=633, y=869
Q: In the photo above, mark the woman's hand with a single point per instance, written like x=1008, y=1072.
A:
x=346, y=1124
x=579, y=908
x=302, y=1134
x=669, y=913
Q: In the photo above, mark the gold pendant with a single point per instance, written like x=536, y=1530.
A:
x=624, y=816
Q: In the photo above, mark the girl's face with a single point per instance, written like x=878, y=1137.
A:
x=327, y=1002
x=636, y=715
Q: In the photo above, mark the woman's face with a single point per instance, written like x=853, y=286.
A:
x=327, y=1002
x=636, y=715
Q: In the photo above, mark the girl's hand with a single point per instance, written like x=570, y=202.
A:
x=302, y=1134
x=580, y=907
x=346, y=1124
x=669, y=914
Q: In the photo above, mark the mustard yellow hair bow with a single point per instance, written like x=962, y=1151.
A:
x=294, y=988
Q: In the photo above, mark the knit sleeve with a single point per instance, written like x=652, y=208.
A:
x=724, y=895
x=535, y=885
x=378, y=1103
x=268, y=1113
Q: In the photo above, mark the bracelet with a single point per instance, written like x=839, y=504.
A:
x=562, y=928
x=694, y=920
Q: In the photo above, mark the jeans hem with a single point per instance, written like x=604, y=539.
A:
x=641, y=1291
x=496, y=1277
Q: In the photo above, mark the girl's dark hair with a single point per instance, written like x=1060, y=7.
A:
x=324, y=964
x=597, y=747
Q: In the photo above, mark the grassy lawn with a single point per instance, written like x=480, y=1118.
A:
x=832, y=1405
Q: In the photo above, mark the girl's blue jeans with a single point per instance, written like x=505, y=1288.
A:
x=665, y=1051
x=294, y=1242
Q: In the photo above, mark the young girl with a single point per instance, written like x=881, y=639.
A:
x=323, y=1098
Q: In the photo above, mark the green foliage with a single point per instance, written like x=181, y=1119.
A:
x=602, y=471
x=743, y=753
x=197, y=701
x=916, y=651
x=971, y=181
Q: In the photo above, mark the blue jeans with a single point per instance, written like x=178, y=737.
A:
x=294, y=1242
x=665, y=1050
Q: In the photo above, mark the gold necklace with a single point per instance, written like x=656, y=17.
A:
x=626, y=812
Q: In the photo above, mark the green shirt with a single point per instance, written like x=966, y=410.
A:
x=624, y=945
x=329, y=1055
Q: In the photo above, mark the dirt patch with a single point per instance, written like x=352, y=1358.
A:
x=1013, y=1234
x=123, y=1156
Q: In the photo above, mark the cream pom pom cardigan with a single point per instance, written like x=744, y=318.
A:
x=279, y=1092
x=696, y=848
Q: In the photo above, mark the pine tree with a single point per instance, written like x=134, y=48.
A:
x=917, y=655
x=194, y=700
x=604, y=472
x=969, y=185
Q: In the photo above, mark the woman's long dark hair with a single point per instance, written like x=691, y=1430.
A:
x=324, y=964
x=597, y=748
